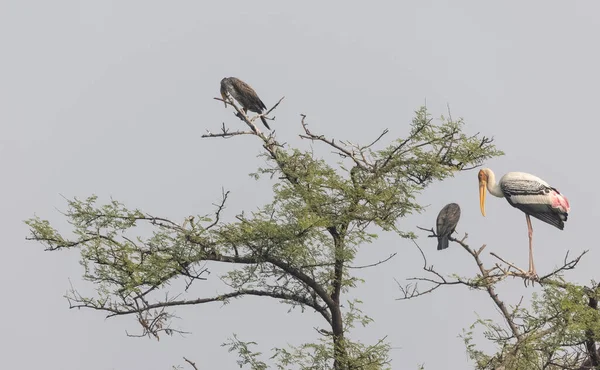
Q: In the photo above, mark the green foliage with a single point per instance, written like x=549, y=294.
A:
x=554, y=331
x=245, y=354
x=318, y=355
x=119, y=264
x=296, y=249
x=382, y=185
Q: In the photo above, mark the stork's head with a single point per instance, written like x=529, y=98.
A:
x=483, y=176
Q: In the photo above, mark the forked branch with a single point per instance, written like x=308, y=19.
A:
x=226, y=133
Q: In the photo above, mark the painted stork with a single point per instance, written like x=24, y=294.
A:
x=531, y=195
x=245, y=95
x=446, y=223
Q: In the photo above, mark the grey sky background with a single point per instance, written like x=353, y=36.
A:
x=111, y=98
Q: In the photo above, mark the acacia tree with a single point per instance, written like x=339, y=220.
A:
x=298, y=249
x=556, y=330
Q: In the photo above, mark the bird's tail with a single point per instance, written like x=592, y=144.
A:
x=442, y=243
x=264, y=121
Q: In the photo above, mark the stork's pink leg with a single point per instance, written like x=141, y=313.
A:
x=531, y=271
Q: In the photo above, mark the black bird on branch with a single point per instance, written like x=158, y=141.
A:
x=447, y=220
x=245, y=95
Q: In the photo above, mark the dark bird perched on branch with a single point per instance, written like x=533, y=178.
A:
x=446, y=223
x=245, y=95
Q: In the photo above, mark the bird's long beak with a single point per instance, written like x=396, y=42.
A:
x=482, y=185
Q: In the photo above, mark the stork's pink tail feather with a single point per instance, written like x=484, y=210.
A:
x=560, y=202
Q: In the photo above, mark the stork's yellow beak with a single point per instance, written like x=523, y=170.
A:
x=482, y=185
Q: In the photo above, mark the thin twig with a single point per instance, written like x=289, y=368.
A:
x=376, y=140
x=373, y=264
x=275, y=106
x=193, y=364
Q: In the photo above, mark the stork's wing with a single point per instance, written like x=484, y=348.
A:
x=534, y=199
x=551, y=218
x=524, y=187
x=544, y=213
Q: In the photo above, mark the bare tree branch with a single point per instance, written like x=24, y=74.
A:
x=192, y=364
x=374, y=264
x=485, y=281
x=226, y=133
x=249, y=121
x=342, y=150
x=77, y=303
x=385, y=132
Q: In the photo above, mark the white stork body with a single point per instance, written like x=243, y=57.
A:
x=531, y=195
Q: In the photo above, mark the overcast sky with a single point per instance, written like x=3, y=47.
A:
x=111, y=97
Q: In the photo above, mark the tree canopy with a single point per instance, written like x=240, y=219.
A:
x=300, y=247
